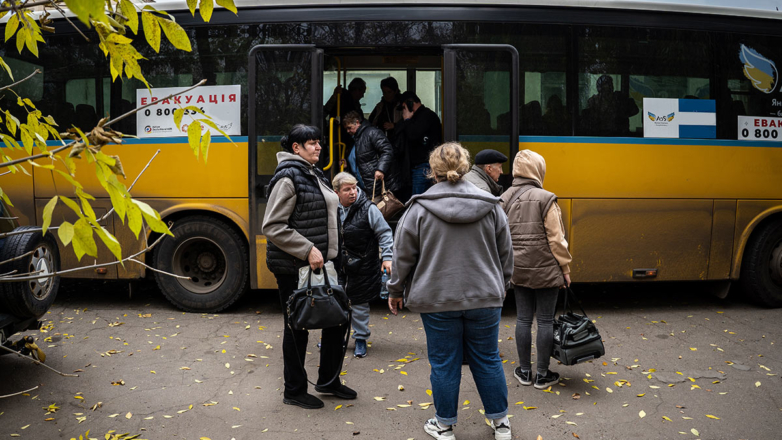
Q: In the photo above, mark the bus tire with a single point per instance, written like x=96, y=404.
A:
x=212, y=254
x=761, y=268
x=27, y=299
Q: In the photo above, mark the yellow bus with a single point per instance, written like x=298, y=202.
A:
x=658, y=121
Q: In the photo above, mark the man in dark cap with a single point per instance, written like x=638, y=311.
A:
x=486, y=171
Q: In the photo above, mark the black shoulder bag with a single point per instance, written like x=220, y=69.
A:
x=576, y=338
x=320, y=307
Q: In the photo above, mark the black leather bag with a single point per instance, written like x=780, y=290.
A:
x=576, y=338
x=318, y=307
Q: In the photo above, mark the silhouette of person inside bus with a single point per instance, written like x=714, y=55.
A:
x=387, y=112
x=608, y=112
x=556, y=119
x=349, y=100
x=418, y=134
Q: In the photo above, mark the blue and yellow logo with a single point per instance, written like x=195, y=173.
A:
x=654, y=118
x=761, y=71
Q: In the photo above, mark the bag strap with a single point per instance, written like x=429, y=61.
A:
x=568, y=293
x=516, y=196
x=342, y=358
x=325, y=277
x=374, y=184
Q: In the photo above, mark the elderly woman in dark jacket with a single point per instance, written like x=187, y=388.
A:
x=372, y=156
x=301, y=227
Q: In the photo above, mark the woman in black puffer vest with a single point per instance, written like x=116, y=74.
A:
x=300, y=225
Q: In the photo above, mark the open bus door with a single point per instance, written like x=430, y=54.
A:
x=284, y=89
x=481, y=99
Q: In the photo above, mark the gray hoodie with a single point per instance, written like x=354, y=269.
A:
x=452, y=251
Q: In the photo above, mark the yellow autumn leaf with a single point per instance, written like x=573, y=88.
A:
x=205, y=438
x=403, y=372
x=642, y=414
x=695, y=432
x=757, y=384
x=693, y=349
x=265, y=430
x=571, y=423
x=337, y=407
x=519, y=403
x=380, y=398
x=609, y=390
x=712, y=417
x=429, y=392
x=78, y=397
x=529, y=407
x=236, y=408
x=157, y=347
x=666, y=418
x=152, y=371
x=556, y=416
x=640, y=395
x=128, y=415
x=466, y=402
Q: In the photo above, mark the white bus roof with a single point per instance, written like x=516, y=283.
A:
x=768, y=9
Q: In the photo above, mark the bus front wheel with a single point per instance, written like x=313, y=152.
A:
x=761, y=268
x=210, y=260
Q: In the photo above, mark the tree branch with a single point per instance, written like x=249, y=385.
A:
x=131, y=185
x=26, y=5
x=29, y=277
x=35, y=72
x=36, y=362
x=20, y=392
x=17, y=258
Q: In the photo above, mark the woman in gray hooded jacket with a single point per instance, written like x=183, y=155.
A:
x=452, y=263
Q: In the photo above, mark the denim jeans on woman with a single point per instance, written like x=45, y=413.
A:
x=448, y=334
x=542, y=304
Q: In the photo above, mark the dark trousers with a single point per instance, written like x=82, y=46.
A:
x=331, y=351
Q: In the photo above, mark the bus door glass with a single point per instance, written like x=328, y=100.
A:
x=481, y=102
x=284, y=89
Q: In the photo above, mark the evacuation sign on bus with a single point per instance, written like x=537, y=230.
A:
x=221, y=103
x=759, y=128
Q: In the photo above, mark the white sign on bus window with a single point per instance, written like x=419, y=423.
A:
x=221, y=103
x=759, y=128
x=680, y=118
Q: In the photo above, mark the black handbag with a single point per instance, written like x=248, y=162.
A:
x=320, y=307
x=576, y=338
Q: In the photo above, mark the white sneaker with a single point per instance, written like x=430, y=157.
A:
x=435, y=430
x=501, y=432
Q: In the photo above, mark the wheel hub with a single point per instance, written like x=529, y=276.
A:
x=775, y=266
x=41, y=263
x=203, y=261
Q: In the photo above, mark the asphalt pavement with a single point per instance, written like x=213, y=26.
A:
x=679, y=364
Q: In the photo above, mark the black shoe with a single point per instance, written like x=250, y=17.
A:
x=341, y=391
x=525, y=377
x=549, y=379
x=305, y=400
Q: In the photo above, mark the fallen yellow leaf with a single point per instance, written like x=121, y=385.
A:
x=128, y=415
x=429, y=392
x=466, y=402
x=712, y=417
x=338, y=407
x=695, y=432
x=666, y=418
x=757, y=384
x=237, y=409
x=642, y=414
x=403, y=372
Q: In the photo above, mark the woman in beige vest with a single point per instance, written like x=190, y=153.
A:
x=540, y=265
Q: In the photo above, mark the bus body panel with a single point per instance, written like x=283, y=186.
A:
x=611, y=237
x=19, y=188
x=175, y=172
x=722, y=231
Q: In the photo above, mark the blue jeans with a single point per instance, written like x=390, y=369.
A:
x=420, y=182
x=448, y=334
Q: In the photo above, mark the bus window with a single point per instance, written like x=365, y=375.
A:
x=543, y=63
x=619, y=67
x=428, y=86
x=81, y=95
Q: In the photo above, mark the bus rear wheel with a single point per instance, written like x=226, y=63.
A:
x=761, y=268
x=214, y=258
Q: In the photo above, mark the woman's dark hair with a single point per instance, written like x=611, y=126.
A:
x=300, y=134
x=391, y=83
